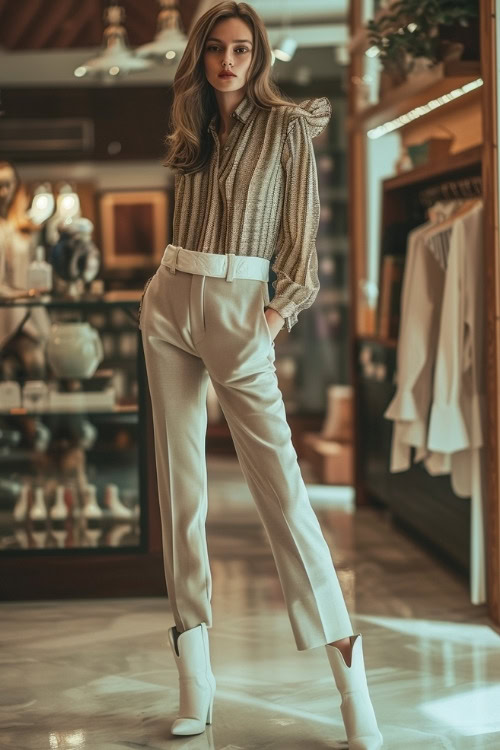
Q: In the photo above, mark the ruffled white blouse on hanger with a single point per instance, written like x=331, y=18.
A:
x=439, y=405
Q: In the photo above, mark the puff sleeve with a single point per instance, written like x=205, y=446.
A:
x=296, y=261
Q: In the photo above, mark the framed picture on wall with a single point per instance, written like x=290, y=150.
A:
x=134, y=227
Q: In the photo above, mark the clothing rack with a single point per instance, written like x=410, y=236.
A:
x=466, y=187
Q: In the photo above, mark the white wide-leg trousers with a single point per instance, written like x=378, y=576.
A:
x=203, y=315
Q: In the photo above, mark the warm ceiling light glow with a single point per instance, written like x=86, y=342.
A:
x=170, y=54
x=114, y=70
x=80, y=71
x=424, y=109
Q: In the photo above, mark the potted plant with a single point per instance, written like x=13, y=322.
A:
x=458, y=26
x=409, y=32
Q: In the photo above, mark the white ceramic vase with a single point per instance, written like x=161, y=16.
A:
x=74, y=350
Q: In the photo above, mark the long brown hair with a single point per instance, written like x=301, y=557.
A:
x=16, y=212
x=188, y=144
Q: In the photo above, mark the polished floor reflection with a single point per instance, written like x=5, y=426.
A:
x=98, y=675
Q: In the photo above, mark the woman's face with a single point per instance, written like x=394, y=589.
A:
x=229, y=46
x=7, y=188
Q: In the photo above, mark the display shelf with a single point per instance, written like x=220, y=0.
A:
x=125, y=454
x=454, y=163
x=118, y=410
x=85, y=301
x=417, y=91
x=77, y=536
x=334, y=296
x=26, y=456
x=14, y=455
x=335, y=193
x=335, y=245
x=374, y=339
x=92, y=455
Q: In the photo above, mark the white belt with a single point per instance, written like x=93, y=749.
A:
x=228, y=266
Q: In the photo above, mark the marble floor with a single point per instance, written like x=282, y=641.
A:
x=99, y=675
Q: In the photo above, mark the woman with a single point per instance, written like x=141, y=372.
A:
x=23, y=330
x=246, y=186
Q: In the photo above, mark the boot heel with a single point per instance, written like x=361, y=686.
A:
x=191, y=652
x=210, y=710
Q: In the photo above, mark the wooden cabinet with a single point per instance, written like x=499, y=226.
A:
x=458, y=99
x=423, y=504
x=73, y=445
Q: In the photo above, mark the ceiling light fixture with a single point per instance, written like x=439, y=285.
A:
x=116, y=56
x=285, y=50
x=169, y=41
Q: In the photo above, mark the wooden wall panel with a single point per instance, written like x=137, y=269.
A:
x=490, y=194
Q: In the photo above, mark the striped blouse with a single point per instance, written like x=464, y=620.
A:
x=258, y=196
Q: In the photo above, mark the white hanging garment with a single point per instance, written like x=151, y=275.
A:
x=422, y=289
x=457, y=418
x=455, y=414
x=445, y=340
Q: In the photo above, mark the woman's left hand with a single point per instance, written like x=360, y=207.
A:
x=275, y=321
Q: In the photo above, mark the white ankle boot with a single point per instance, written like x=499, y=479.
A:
x=196, y=680
x=356, y=707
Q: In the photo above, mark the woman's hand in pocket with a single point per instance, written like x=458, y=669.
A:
x=275, y=321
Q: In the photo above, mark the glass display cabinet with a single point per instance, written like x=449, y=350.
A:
x=78, y=507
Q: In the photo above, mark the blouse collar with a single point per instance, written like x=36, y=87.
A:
x=241, y=113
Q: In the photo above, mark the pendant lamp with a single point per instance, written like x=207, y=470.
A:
x=170, y=41
x=116, y=57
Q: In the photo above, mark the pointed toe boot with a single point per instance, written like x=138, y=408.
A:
x=356, y=707
x=196, y=679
